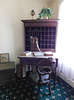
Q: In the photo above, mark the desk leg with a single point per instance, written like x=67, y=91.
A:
x=21, y=66
x=55, y=73
x=55, y=77
x=28, y=72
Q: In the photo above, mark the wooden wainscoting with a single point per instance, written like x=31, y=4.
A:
x=7, y=73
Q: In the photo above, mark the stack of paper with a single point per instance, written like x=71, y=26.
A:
x=37, y=54
x=26, y=53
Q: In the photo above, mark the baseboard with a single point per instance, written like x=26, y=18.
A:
x=7, y=82
x=69, y=81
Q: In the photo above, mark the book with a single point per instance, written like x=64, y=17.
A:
x=31, y=42
x=34, y=44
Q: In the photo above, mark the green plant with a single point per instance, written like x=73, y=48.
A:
x=45, y=12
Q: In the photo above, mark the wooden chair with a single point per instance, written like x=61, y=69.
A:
x=43, y=76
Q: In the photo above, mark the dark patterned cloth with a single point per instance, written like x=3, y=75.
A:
x=27, y=91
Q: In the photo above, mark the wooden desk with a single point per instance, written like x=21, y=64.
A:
x=33, y=60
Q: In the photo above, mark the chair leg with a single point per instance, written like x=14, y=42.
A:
x=49, y=89
x=38, y=91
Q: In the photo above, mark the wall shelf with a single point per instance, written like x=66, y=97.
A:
x=44, y=30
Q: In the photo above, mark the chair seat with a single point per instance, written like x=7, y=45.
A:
x=35, y=78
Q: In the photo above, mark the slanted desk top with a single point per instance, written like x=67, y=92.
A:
x=30, y=54
x=34, y=57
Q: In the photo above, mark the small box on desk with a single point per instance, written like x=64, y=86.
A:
x=48, y=53
x=26, y=53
